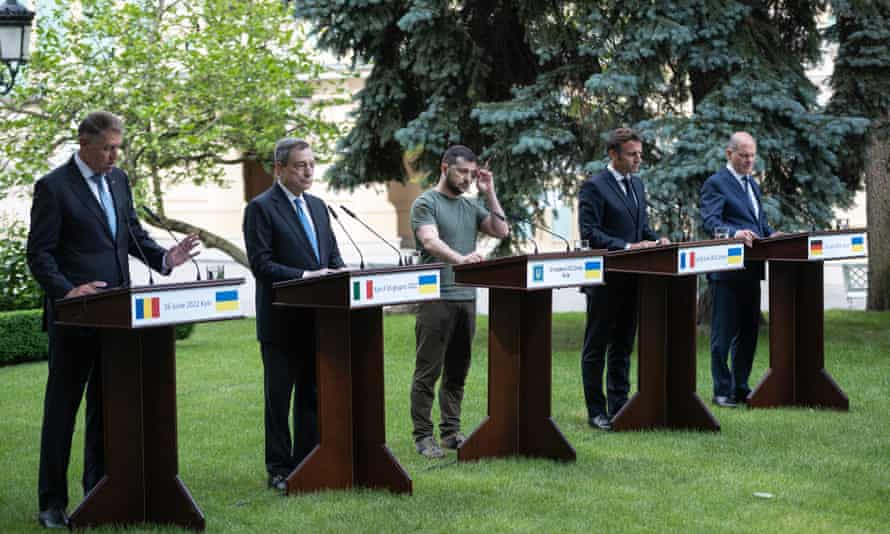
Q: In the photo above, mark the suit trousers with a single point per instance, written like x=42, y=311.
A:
x=608, y=341
x=735, y=321
x=288, y=373
x=74, y=365
x=444, y=332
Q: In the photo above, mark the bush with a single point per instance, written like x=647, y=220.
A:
x=183, y=331
x=21, y=338
x=18, y=289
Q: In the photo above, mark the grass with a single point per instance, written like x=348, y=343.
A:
x=829, y=471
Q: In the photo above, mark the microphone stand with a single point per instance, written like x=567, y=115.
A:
x=337, y=218
x=354, y=216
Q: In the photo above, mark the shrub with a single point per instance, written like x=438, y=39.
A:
x=18, y=289
x=183, y=331
x=21, y=338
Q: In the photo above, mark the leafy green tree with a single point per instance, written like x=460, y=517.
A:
x=199, y=84
x=861, y=84
x=537, y=85
x=18, y=289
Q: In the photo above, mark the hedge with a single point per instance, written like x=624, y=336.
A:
x=21, y=339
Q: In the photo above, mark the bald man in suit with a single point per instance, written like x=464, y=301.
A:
x=731, y=199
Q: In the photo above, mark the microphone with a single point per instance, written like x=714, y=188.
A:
x=337, y=218
x=539, y=227
x=530, y=238
x=157, y=220
x=151, y=280
x=390, y=245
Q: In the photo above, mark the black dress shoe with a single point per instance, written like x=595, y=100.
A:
x=53, y=518
x=725, y=402
x=601, y=422
x=278, y=482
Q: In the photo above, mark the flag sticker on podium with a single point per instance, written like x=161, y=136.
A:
x=816, y=247
x=734, y=256
x=428, y=284
x=149, y=308
x=857, y=243
x=593, y=270
x=687, y=260
x=227, y=300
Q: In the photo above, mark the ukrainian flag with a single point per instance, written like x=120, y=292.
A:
x=227, y=300
x=734, y=256
x=857, y=243
x=148, y=308
x=428, y=284
x=593, y=270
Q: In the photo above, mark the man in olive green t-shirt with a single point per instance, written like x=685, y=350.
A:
x=445, y=226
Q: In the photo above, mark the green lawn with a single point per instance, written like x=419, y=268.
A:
x=829, y=471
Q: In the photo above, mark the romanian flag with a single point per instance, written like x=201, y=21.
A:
x=687, y=255
x=148, y=308
x=593, y=270
x=227, y=300
x=428, y=284
x=734, y=256
x=857, y=243
x=816, y=247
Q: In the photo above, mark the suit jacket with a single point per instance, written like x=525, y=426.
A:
x=607, y=218
x=279, y=249
x=70, y=242
x=724, y=203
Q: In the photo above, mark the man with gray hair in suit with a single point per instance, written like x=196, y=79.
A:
x=288, y=235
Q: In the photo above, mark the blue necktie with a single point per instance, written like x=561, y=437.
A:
x=105, y=200
x=310, y=233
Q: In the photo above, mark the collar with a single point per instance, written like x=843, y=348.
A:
x=617, y=175
x=735, y=175
x=290, y=194
x=84, y=169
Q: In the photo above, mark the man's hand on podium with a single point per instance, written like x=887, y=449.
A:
x=89, y=288
x=320, y=272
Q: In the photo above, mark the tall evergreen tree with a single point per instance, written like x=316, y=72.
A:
x=861, y=84
x=537, y=85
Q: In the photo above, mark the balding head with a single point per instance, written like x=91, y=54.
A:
x=741, y=152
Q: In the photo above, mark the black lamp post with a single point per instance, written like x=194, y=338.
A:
x=15, y=40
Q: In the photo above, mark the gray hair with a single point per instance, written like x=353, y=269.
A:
x=99, y=122
x=284, y=147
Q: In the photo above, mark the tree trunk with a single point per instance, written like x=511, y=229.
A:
x=877, y=172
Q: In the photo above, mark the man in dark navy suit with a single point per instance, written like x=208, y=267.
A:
x=731, y=199
x=612, y=215
x=83, y=226
x=288, y=235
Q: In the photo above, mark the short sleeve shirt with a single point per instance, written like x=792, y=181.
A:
x=457, y=220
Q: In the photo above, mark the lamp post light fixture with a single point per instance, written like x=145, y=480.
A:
x=15, y=41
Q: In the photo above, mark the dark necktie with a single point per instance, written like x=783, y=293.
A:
x=628, y=191
x=748, y=188
x=106, y=202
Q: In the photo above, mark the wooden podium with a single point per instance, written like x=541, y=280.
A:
x=519, y=419
x=348, y=305
x=138, y=344
x=668, y=282
x=797, y=375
